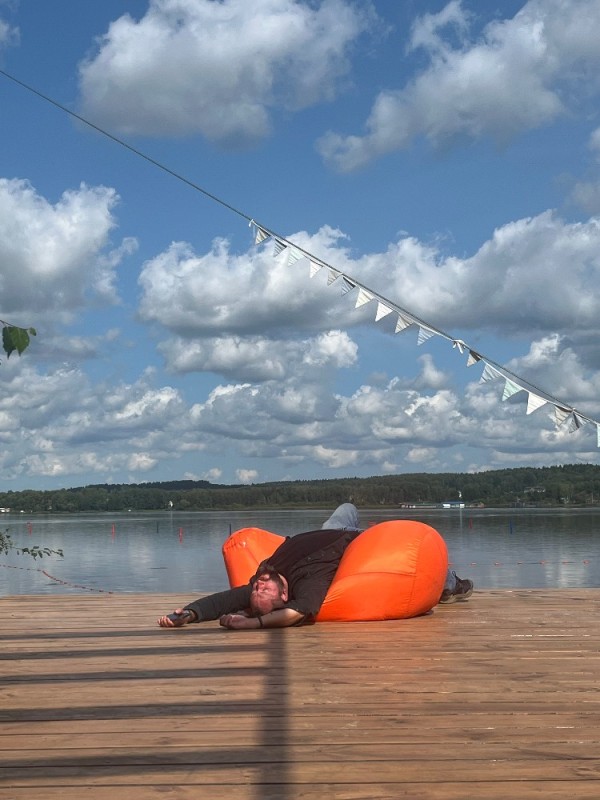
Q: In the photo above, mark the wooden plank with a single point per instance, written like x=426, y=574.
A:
x=492, y=698
x=544, y=790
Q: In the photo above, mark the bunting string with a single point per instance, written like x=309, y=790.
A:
x=565, y=415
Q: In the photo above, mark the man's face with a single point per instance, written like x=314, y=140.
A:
x=266, y=595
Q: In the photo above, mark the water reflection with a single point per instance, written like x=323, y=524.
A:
x=181, y=552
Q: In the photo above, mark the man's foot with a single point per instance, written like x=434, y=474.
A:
x=462, y=589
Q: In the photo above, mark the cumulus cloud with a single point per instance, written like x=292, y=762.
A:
x=279, y=338
x=571, y=373
x=196, y=295
x=246, y=476
x=65, y=425
x=54, y=253
x=281, y=401
x=380, y=426
x=9, y=35
x=259, y=359
x=521, y=73
x=213, y=475
x=218, y=68
x=515, y=284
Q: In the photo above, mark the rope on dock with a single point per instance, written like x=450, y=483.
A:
x=58, y=580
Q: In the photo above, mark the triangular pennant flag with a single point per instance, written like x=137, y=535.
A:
x=382, y=311
x=534, y=402
x=293, y=256
x=460, y=345
x=314, y=268
x=260, y=235
x=347, y=285
x=363, y=297
x=279, y=247
x=333, y=276
x=574, y=423
x=510, y=388
x=402, y=324
x=489, y=374
x=473, y=358
x=561, y=415
x=424, y=334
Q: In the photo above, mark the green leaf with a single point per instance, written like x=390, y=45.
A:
x=14, y=339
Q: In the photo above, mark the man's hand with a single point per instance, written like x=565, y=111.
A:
x=239, y=622
x=183, y=618
x=280, y=618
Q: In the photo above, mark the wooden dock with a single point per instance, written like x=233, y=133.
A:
x=496, y=697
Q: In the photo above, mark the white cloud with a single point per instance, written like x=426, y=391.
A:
x=522, y=73
x=218, y=68
x=422, y=456
x=586, y=195
x=281, y=397
x=246, y=476
x=188, y=295
x=9, y=35
x=213, y=475
x=54, y=253
x=515, y=284
x=257, y=359
x=141, y=462
x=65, y=425
x=380, y=426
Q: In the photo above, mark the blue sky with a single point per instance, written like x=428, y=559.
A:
x=445, y=155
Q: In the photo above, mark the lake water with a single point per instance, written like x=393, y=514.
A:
x=181, y=552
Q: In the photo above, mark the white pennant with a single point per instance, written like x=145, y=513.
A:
x=279, y=247
x=560, y=415
x=510, y=388
x=293, y=256
x=424, y=335
x=489, y=374
x=363, y=297
x=574, y=423
x=401, y=324
x=534, y=402
x=260, y=235
x=382, y=311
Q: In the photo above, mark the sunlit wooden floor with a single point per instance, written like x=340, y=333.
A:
x=496, y=697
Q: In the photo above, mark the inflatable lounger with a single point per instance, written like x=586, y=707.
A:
x=394, y=570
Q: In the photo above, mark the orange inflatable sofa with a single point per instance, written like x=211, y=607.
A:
x=394, y=570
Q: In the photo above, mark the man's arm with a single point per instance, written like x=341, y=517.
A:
x=214, y=606
x=280, y=618
x=210, y=607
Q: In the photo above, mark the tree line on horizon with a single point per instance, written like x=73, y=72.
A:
x=575, y=484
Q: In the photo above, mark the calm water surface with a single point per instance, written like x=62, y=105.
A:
x=181, y=552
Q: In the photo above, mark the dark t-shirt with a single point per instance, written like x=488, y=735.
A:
x=307, y=561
